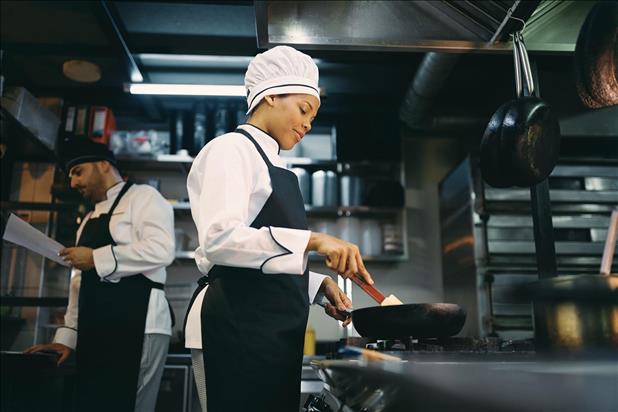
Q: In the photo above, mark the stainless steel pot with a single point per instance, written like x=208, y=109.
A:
x=324, y=188
x=351, y=190
x=579, y=312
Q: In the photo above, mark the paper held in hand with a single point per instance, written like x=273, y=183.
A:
x=23, y=234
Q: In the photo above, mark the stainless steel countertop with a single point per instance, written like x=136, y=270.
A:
x=475, y=382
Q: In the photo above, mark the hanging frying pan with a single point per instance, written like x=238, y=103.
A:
x=521, y=143
x=596, y=56
x=421, y=320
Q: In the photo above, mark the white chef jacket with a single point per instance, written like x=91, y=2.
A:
x=142, y=226
x=228, y=185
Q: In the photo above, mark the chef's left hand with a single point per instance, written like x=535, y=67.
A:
x=79, y=257
x=338, y=301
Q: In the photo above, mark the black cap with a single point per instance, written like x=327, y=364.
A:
x=84, y=150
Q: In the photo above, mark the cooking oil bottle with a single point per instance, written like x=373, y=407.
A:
x=309, y=341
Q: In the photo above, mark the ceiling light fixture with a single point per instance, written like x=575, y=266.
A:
x=136, y=76
x=186, y=89
x=194, y=60
x=81, y=71
x=198, y=60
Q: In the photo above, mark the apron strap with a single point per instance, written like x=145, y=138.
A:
x=126, y=187
x=202, y=283
x=157, y=285
x=257, y=146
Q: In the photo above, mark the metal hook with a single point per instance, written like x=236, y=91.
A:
x=523, y=22
x=509, y=15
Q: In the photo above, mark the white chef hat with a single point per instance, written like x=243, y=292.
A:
x=280, y=70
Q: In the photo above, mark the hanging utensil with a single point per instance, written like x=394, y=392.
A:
x=596, y=56
x=521, y=144
x=610, y=244
x=579, y=312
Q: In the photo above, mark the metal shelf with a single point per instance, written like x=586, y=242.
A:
x=24, y=145
x=33, y=301
x=314, y=257
x=350, y=210
x=557, y=196
x=562, y=248
x=522, y=207
x=38, y=206
x=186, y=254
x=174, y=162
x=337, y=211
x=306, y=161
x=183, y=163
x=159, y=163
x=180, y=205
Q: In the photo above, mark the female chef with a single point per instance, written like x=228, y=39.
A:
x=250, y=310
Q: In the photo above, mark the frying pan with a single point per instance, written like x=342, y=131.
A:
x=421, y=320
x=521, y=143
x=596, y=56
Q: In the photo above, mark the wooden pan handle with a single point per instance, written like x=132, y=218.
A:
x=369, y=289
x=610, y=244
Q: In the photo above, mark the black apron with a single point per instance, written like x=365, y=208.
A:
x=111, y=324
x=253, y=324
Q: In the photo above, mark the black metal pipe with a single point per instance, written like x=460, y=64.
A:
x=425, y=87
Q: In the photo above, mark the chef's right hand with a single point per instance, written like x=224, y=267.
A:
x=62, y=350
x=341, y=256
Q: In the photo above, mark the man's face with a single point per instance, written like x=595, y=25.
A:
x=88, y=180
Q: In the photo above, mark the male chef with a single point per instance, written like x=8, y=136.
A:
x=118, y=320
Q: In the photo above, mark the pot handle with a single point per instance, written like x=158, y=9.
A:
x=369, y=289
x=525, y=63
x=610, y=244
x=324, y=301
x=517, y=64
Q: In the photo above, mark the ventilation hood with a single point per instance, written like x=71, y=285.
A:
x=442, y=26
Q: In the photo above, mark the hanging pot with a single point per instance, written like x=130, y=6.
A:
x=579, y=312
x=521, y=144
x=596, y=56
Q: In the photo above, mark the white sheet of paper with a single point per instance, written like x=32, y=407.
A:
x=23, y=234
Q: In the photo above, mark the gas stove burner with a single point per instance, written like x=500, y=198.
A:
x=403, y=344
x=451, y=344
x=463, y=344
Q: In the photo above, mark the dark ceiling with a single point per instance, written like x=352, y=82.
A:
x=38, y=36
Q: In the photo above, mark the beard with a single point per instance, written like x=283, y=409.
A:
x=93, y=192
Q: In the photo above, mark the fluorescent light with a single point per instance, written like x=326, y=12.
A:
x=187, y=89
x=202, y=60
x=136, y=76
x=194, y=60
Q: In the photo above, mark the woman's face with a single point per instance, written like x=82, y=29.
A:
x=291, y=118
